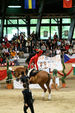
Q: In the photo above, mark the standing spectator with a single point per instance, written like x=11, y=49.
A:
x=55, y=36
x=28, y=100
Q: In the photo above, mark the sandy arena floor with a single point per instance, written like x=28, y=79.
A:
x=63, y=100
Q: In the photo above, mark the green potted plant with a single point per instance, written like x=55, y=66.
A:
x=9, y=78
x=63, y=80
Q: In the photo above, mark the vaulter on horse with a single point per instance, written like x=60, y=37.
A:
x=33, y=62
x=34, y=59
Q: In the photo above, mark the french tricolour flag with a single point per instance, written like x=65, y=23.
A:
x=69, y=58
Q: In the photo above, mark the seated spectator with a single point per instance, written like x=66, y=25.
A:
x=5, y=50
x=67, y=42
x=8, y=44
x=13, y=53
x=58, y=42
x=21, y=53
x=16, y=58
x=67, y=47
x=63, y=49
x=11, y=60
x=28, y=46
x=53, y=52
x=74, y=49
x=41, y=43
x=37, y=46
x=3, y=45
x=4, y=58
x=47, y=53
x=16, y=47
x=43, y=47
x=6, y=39
x=48, y=42
x=70, y=50
x=1, y=59
x=58, y=51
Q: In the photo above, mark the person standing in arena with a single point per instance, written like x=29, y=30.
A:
x=28, y=100
x=34, y=59
x=24, y=79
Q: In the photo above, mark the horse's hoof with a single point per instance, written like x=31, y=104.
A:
x=43, y=94
x=49, y=97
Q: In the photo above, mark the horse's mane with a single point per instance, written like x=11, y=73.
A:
x=29, y=57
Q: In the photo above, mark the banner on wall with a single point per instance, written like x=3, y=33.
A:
x=49, y=63
x=3, y=74
x=67, y=3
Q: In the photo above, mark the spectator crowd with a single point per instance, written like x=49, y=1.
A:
x=15, y=49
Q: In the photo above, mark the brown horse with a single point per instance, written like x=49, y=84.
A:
x=41, y=78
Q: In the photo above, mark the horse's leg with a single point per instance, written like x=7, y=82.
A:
x=49, y=89
x=44, y=89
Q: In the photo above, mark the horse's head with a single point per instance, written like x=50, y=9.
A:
x=17, y=71
x=16, y=74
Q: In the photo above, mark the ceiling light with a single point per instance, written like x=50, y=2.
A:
x=14, y=6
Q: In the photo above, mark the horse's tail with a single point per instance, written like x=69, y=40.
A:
x=49, y=78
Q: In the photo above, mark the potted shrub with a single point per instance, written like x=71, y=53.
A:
x=63, y=82
x=63, y=78
x=9, y=79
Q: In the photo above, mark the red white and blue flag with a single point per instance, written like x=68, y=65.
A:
x=69, y=58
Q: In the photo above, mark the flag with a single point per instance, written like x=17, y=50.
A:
x=69, y=59
x=29, y=4
x=67, y=3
